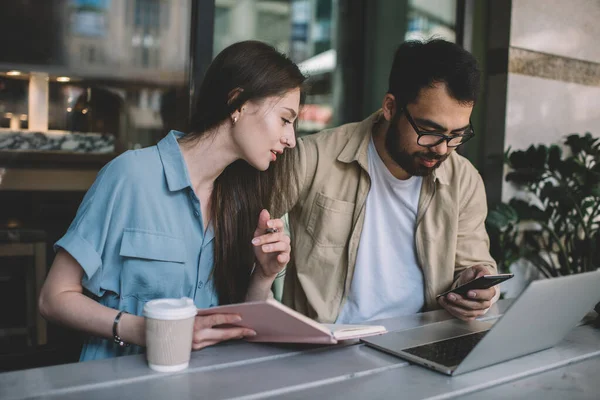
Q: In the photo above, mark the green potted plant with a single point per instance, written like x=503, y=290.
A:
x=554, y=222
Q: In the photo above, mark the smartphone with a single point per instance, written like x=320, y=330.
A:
x=483, y=282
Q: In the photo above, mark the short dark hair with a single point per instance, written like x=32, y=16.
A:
x=421, y=64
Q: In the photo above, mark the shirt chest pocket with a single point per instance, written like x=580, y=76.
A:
x=330, y=221
x=153, y=265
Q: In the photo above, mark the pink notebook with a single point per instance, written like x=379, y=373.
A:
x=274, y=322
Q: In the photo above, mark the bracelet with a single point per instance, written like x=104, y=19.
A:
x=117, y=339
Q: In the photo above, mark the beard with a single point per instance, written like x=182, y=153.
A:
x=410, y=162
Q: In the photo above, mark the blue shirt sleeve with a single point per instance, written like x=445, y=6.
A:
x=87, y=236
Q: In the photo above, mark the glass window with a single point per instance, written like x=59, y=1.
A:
x=431, y=18
x=104, y=56
x=303, y=29
x=306, y=30
x=80, y=82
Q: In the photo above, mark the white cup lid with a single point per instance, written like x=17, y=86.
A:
x=170, y=308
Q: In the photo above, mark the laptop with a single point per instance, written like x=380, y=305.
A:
x=538, y=319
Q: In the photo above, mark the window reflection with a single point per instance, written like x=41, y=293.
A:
x=431, y=18
x=114, y=68
x=303, y=29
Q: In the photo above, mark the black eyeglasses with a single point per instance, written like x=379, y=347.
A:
x=432, y=139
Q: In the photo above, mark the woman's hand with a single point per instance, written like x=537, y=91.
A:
x=271, y=246
x=207, y=331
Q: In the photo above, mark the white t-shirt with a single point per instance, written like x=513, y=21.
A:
x=388, y=281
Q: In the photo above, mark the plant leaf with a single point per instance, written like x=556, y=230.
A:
x=527, y=212
x=554, y=157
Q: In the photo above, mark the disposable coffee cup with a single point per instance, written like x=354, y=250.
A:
x=169, y=330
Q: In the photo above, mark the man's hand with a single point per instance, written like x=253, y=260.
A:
x=477, y=302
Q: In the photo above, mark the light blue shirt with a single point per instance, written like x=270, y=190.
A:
x=138, y=235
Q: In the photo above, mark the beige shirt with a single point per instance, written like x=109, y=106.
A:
x=328, y=213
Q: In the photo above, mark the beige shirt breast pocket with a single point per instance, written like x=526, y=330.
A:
x=330, y=221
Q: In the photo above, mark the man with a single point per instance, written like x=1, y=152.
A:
x=388, y=215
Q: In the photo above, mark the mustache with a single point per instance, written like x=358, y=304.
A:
x=431, y=156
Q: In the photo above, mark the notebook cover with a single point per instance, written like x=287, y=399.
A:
x=274, y=322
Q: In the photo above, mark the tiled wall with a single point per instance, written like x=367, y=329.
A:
x=554, y=72
x=541, y=110
x=564, y=28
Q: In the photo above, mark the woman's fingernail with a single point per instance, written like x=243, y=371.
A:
x=251, y=333
x=472, y=294
x=255, y=241
x=452, y=297
x=270, y=224
x=237, y=319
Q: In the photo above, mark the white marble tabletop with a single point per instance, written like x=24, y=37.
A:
x=240, y=370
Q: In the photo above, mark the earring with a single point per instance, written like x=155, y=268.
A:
x=234, y=120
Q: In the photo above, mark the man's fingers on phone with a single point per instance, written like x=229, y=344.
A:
x=459, y=301
x=481, y=294
x=460, y=312
x=480, y=274
x=480, y=270
x=463, y=314
x=453, y=311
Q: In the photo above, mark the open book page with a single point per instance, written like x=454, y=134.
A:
x=344, y=331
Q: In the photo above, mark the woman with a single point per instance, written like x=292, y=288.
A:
x=186, y=217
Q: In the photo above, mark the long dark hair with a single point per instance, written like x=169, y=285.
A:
x=254, y=71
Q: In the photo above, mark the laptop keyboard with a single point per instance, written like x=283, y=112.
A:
x=449, y=352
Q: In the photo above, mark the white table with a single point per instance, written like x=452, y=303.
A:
x=240, y=370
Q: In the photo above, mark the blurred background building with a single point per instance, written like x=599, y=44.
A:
x=84, y=80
